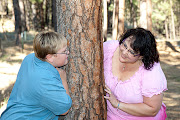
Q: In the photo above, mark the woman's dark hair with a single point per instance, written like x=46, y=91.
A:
x=143, y=42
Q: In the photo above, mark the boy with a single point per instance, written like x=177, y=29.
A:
x=41, y=90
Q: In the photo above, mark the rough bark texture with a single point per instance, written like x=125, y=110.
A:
x=80, y=21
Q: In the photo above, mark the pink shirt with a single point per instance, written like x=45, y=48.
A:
x=143, y=83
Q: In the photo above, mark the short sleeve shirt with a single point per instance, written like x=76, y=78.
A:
x=143, y=83
x=38, y=93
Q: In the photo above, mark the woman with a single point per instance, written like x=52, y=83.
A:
x=134, y=79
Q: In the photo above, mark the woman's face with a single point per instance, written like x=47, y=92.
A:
x=126, y=53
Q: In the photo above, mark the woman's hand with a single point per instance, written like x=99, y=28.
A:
x=112, y=99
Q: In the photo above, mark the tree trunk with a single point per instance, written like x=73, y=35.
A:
x=39, y=17
x=121, y=17
x=167, y=33
x=166, y=29
x=47, y=13
x=54, y=18
x=143, y=16
x=172, y=17
x=23, y=15
x=81, y=23
x=41, y=12
x=133, y=14
x=1, y=47
x=1, y=6
x=29, y=15
x=115, y=20
x=17, y=14
x=149, y=14
x=170, y=31
x=105, y=23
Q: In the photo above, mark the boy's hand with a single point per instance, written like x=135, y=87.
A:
x=64, y=79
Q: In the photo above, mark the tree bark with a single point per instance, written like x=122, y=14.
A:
x=29, y=15
x=81, y=23
x=23, y=15
x=17, y=14
x=115, y=20
x=121, y=17
x=54, y=18
x=149, y=14
x=47, y=9
x=39, y=20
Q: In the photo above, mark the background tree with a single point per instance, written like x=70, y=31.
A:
x=17, y=14
x=47, y=13
x=39, y=17
x=54, y=18
x=23, y=16
x=149, y=14
x=172, y=17
x=115, y=20
x=121, y=17
x=131, y=13
x=105, y=20
x=143, y=14
x=81, y=23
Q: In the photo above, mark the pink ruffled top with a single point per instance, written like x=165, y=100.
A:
x=143, y=83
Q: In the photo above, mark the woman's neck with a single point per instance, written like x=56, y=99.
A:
x=130, y=66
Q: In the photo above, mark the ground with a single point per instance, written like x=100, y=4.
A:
x=170, y=63
x=12, y=56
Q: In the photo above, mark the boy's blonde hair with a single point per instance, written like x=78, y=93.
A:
x=48, y=43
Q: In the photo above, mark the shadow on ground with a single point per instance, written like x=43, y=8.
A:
x=172, y=95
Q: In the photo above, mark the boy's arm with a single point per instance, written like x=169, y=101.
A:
x=64, y=80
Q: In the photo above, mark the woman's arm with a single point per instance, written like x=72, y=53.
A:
x=149, y=107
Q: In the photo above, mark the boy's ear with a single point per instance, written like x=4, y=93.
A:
x=50, y=57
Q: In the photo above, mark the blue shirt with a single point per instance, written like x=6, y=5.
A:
x=38, y=93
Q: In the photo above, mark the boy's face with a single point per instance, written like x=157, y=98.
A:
x=61, y=57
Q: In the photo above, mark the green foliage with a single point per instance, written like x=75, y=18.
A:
x=36, y=1
x=135, y=2
x=111, y=7
x=161, y=11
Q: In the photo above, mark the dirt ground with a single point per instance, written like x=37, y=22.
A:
x=170, y=63
x=12, y=57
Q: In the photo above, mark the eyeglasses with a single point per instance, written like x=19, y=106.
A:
x=64, y=52
x=130, y=52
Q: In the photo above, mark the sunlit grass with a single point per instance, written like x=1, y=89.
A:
x=4, y=57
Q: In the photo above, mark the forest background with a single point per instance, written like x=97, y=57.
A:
x=20, y=20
